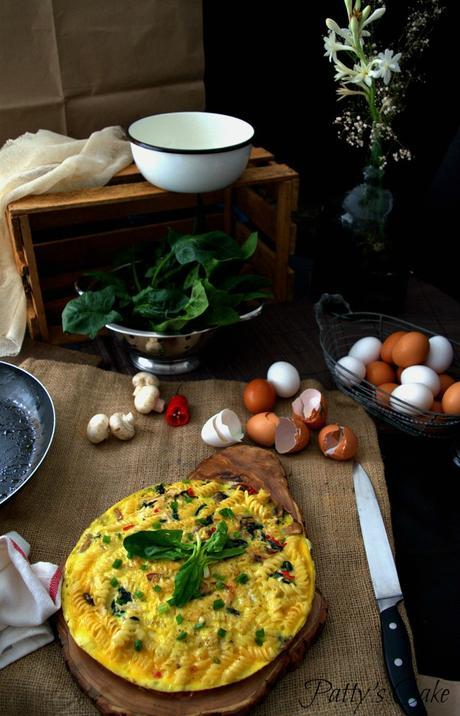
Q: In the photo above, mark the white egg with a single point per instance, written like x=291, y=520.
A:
x=440, y=355
x=417, y=395
x=350, y=371
x=285, y=378
x=422, y=374
x=366, y=349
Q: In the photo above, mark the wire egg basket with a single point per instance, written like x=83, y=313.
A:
x=339, y=329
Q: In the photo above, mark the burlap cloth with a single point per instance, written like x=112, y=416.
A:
x=342, y=674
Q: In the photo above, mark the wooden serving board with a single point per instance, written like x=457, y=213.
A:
x=113, y=695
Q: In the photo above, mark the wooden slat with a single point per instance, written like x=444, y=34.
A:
x=34, y=280
x=260, y=211
x=271, y=173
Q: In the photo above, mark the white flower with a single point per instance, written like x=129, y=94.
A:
x=363, y=74
x=342, y=71
x=385, y=63
x=332, y=46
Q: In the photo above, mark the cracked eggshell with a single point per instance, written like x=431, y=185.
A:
x=311, y=407
x=292, y=435
x=222, y=429
x=338, y=442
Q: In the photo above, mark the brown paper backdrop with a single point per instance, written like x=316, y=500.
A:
x=78, y=481
x=75, y=67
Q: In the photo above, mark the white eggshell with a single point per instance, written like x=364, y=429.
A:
x=347, y=366
x=228, y=426
x=440, y=355
x=366, y=349
x=419, y=396
x=222, y=429
x=422, y=374
x=285, y=378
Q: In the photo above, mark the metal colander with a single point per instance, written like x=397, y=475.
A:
x=340, y=328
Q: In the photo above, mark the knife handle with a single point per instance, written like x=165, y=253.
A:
x=398, y=662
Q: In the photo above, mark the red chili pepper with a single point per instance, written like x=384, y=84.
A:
x=178, y=411
x=248, y=488
x=190, y=492
x=275, y=541
x=287, y=575
x=127, y=527
x=157, y=674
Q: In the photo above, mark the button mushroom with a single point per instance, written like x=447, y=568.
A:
x=144, y=378
x=97, y=429
x=122, y=425
x=147, y=398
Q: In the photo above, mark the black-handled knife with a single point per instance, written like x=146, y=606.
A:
x=395, y=641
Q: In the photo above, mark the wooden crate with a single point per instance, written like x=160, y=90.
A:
x=57, y=237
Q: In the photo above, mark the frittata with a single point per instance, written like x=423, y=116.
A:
x=188, y=586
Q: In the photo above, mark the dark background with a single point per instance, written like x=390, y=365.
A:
x=265, y=63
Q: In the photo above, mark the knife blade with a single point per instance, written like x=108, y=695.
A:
x=385, y=582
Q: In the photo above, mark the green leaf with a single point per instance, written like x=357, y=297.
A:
x=156, y=304
x=157, y=544
x=218, y=539
x=196, y=306
x=187, y=581
x=249, y=246
x=90, y=312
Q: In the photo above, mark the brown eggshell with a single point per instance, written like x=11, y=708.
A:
x=291, y=436
x=379, y=372
x=259, y=396
x=451, y=400
x=398, y=374
x=410, y=349
x=383, y=398
x=338, y=442
x=436, y=407
x=311, y=407
x=262, y=428
x=445, y=381
x=388, y=345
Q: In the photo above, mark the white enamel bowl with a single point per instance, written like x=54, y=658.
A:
x=191, y=152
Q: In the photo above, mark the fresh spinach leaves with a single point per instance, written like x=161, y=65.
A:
x=189, y=282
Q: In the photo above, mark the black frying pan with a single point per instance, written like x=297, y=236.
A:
x=27, y=423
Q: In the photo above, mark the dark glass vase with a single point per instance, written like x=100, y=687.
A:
x=376, y=274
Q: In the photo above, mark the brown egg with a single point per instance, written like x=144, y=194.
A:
x=262, y=428
x=338, y=442
x=398, y=374
x=311, y=407
x=259, y=396
x=379, y=372
x=388, y=345
x=383, y=398
x=436, y=407
x=411, y=349
x=451, y=399
x=291, y=435
x=446, y=381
